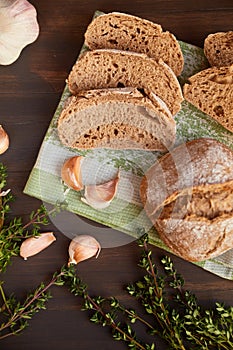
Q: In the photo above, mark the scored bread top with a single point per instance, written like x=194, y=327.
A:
x=116, y=118
x=218, y=48
x=198, y=224
x=211, y=90
x=99, y=69
x=126, y=32
x=197, y=162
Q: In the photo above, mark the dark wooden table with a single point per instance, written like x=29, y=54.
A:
x=29, y=92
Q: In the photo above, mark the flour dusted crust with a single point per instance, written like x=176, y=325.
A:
x=116, y=118
x=188, y=195
x=211, y=90
x=218, y=48
x=126, y=32
x=105, y=68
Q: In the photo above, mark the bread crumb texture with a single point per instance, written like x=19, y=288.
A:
x=218, y=48
x=211, y=90
x=130, y=33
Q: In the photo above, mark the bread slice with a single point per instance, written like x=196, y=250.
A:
x=218, y=48
x=188, y=196
x=116, y=118
x=99, y=69
x=211, y=90
x=126, y=32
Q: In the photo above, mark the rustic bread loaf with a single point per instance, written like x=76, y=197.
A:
x=211, y=90
x=188, y=195
x=218, y=48
x=99, y=69
x=126, y=32
x=116, y=118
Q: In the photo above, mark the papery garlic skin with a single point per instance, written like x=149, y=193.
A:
x=4, y=140
x=18, y=28
x=100, y=196
x=83, y=247
x=71, y=173
x=34, y=245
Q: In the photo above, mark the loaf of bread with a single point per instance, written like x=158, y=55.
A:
x=116, y=118
x=126, y=32
x=100, y=69
x=188, y=195
x=211, y=90
x=218, y=48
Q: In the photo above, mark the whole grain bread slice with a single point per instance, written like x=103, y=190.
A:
x=218, y=48
x=99, y=69
x=211, y=90
x=116, y=118
x=126, y=32
x=188, y=196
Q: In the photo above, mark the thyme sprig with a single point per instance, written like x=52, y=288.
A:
x=188, y=326
x=16, y=314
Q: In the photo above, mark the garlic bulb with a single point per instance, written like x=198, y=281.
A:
x=4, y=140
x=34, y=245
x=100, y=196
x=18, y=28
x=83, y=247
x=71, y=173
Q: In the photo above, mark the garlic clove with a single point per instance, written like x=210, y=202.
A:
x=34, y=245
x=4, y=140
x=100, y=196
x=83, y=247
x=18, y=28
x=71, y=173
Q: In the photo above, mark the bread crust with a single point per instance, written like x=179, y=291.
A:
x=211, y=90
x=188, y=195
x=218, y=48
x=92, y=119
x=99, y=69
x=126, y=32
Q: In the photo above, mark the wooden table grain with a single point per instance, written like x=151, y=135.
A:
x=29, y=93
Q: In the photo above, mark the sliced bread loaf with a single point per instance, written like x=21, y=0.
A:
x=211, y=90
x=188, y=195
x=99, y=69
x=116, y=118
x=218, y=48
x=126, y=32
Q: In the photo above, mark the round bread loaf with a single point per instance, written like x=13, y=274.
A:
x=188, y=195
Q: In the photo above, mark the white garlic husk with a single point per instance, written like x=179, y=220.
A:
x=4, y=140
x=34, y=245
x=18, y=28
x=71, y=173
x=83, y=247
x=100, y=196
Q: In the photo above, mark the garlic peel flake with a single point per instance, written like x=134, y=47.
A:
x=83, y=247
x=100, y=196
x=18, y=28
x=34, y=245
